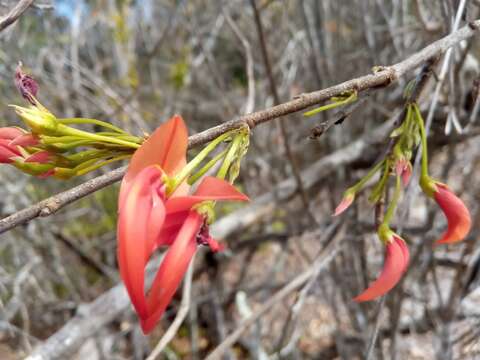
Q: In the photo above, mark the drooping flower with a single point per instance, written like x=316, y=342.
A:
x=396, y=261
x=457, y=214
x=149, y=217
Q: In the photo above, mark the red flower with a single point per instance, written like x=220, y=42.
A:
x=457, y=214
x=347, y=200
x=149, y=218
x=396, y=262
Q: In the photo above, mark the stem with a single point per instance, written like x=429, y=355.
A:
x=94, y=122
x=232, y=153
x=377, y=190
x=352, y=97
x=195, y=162
x=193, y=179
x=358, y=186
x=99, y=165
x=89, y=136
x=423, y=136
x=393, y=204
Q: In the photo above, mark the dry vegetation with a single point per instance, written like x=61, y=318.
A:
x=135, y=63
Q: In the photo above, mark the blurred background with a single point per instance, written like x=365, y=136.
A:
x=136, y=63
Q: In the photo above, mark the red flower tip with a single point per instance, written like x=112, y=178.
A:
x=403, y=168
x=166, y=148
x=344, y=204
x=457, y=214
x=10, y=133
x=396, y=262
x=26, y=139
x=41, y=157
x=7, y=152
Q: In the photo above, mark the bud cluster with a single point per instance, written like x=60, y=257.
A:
x=51, y=146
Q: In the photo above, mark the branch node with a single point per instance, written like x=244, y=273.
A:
x=51, y=207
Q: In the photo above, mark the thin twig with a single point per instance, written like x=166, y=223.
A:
x=15, y=13
x=384, y=77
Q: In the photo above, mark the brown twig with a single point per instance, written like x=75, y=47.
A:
x=15, y=13
x=383, y=77
x=276, y=100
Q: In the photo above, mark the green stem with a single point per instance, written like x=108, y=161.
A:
x=92, y=121
x=352, y=97
x=66, y=130
x=358, y=186
x=377, y=190
x=96, y=166
x=423, y=135
x=196, y=161
x=194, y=178
x=393, y=204
x=229, y=158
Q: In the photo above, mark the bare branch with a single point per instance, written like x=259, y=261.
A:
x=15, y=13
x=383, y=77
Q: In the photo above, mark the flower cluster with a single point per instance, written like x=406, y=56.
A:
x=155, y=210
x=398, y=164
x=52, y=147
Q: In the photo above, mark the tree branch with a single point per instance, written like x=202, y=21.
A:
x=384, y=77
x=15, y=13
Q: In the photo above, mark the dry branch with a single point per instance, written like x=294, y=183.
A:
x=15, y=13
x=384, y=76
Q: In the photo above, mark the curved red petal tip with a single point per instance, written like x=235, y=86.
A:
x=344, y=204
x=403, y=246
x=165, y=147
x=10, y=133
x=47, y=174
x=25, y=140
x=457, y=214
x=407, y=174
x=7, y=152
x=41, y=157
x=393, y=269
x=171, y=271
x=212, y=188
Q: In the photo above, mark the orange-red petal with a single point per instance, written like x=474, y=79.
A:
x=141, y=214
x=393, y=269
x=166, y=148
x=457, y=214
x=172, y=270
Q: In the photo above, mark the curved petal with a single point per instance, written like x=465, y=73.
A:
x=457, y=214
x=10, y=133
x=391, y=274
x=41, y=157
x=25, y=140
x=344, y=204
x=7, y=152
x=172, y=269
x=403, y=246
x=134, y=242
x=212, y=188
x=166, y=147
